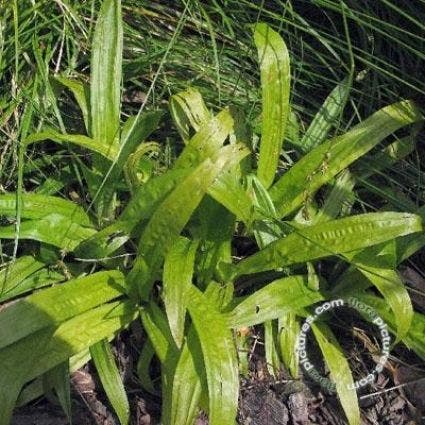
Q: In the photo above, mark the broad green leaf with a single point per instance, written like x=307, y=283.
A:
x=340, y=371
x=15, y=363
x=37, y=280
x=271, y=302
x=79, y=333
x=36, y=388
x=215, y=241
x=331, y=238
x=174, y=212
x=327, y=117
x=327, y=160
x=141, y=206
x=159, y=333
x=389, y=155
x=273, y=57
x=220, y=359
x=35, y=206
x=53, y=305
x=177, y=281
x=110, y=377
x=265, y=230
x=207, y=141
x=16, y=272
x=53, y=229
x=45, y=349
x=229, y=192
x=188, y=111
x=81, y=94
x=376, y=265
x=105, y=79
x=109, y=152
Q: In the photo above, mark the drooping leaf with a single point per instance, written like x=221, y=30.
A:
x=270, y=348
x=141, y=206
x=135, y=131
x=187, y=386
x=330, y=238
x=43, y=350
x=57, y=379
x=327, y=160
x=395, y=293
x=215, y=241
x=159, y=333
x=289, y=329
x=54, y=305
x=53, y=229
x=108, y=152
x=21, y=275
x=229, y=192
x=35, y=206
x=271, y=302
x=414, y=338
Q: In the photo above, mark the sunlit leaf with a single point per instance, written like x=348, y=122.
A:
x=275, y=82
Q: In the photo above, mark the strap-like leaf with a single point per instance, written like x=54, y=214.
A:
x=414, y=338
x=111, y=380
x=36, y=206
x=275, y=83
x=207, y=141
x=80, y=92
x=327, y=116
x=177, y=281
x=22, y=275
x=188, y=111
x=109, y=152
x=53, y=229
x=57, y=304
x=220, y=359
x=41, y=351
x=187, y=386
x=106, y=68
x=277, y=298
x=340, y=371
x=331, y=238
x=172, y=215
x=324, y=162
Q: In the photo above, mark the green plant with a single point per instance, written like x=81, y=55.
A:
x=181, y=223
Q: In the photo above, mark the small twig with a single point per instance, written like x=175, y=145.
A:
x=96, y=260
x=391, y=389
